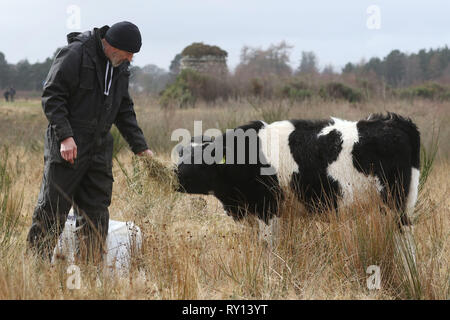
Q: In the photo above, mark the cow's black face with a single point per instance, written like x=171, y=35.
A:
x=232, y=172
x=195, y=175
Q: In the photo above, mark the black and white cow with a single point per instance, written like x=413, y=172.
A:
x=323, y=162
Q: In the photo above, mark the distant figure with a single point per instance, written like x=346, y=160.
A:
x=12, y=93
x=6, y=95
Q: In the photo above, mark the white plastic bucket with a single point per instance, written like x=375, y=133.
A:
x=124, y=238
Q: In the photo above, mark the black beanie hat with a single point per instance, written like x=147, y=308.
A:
x=124, y=36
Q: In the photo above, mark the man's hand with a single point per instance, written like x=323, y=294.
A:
x=69, y=149
x=147, y=153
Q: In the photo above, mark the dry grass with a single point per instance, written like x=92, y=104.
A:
x=192, y=250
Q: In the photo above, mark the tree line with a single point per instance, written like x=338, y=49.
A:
x=23, y=75
x=397, y=69
x=268, y=73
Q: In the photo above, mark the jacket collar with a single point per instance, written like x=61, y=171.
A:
x=99, y=34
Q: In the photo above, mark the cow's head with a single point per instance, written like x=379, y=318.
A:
x=230, y=171
x=194, y=174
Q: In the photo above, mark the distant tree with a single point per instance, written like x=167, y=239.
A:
x=445, y=77
x=435, y=66
x=22, y=75
x=433, y=63
x=424, y=60
x=348, y=68
x=4, y=72
x=445, y=57
x=39, y=73
x=328, y=69
x=413, y=73
x=375, y=65
x=149, y=79
x=395, y=64
x=257, y=62
x=308, y=63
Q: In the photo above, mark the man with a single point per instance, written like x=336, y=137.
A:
x=86, y=91
x=6, y=95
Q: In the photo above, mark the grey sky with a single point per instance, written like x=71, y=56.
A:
x=335, y=30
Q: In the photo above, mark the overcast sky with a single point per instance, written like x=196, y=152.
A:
x=337, y=31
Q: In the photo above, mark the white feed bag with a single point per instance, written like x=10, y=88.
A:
x=124, y=239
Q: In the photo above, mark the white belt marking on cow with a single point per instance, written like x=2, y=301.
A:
x=342, y=169
x=275, y=148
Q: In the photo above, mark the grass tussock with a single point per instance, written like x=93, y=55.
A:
x=160, y=172
x=11, y=202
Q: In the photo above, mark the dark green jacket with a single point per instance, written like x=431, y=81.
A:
x=73, y=99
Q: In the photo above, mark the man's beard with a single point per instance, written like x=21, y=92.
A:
x=115, y=60
x=116, y=63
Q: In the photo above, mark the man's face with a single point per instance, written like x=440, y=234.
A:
x=118, y=56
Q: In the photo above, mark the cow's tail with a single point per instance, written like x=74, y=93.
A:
x=407, y=126
x=411, y=199
x=406, y=244
x=414, y=138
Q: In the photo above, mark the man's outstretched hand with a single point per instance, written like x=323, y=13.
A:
x=69, y=149
x=147, y=153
